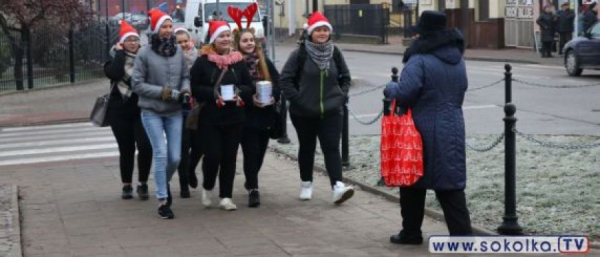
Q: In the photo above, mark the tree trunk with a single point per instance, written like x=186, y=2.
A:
x=18, y=69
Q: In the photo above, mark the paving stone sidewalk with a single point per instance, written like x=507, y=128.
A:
x=508, y=55
x=74, y=209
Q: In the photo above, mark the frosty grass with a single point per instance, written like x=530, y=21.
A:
x=558, y=191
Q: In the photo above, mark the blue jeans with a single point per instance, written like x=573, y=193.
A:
x=166, y=153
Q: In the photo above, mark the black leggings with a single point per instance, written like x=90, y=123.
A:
x=189, y=159
x=220, y=144
x=329, y=130
x=254, y=147
x=129, y=132
x=454, y=205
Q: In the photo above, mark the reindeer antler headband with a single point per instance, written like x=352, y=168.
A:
x=236, y=14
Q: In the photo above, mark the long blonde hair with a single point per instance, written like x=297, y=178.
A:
x=263, y=69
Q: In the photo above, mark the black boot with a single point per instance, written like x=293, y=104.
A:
x=142, y=191
x=185, y=192
x=405, y=239
x=254, y=198
x=127, y=192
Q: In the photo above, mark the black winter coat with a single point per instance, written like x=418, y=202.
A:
x=317, y=93
x=566, y=21
x=114, y=69
x=547, y=24
x=203, y=76
x=264, y=118
x=589, y=18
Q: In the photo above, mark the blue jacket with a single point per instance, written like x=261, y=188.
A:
x=433, y=84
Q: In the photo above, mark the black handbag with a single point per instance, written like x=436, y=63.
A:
x=276, y=130
x=98, y=115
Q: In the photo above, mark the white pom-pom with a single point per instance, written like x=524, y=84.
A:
x=120, y=22
x=305, y=26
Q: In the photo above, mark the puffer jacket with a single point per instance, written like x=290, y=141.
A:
x=433, y=84
x=152, y=72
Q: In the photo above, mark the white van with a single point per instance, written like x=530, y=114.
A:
x=199, y=12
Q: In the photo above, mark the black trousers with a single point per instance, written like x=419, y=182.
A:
x=547, y=49
x=129, y=132
x=220, y=144
x=329, y=130
x=254, y=148
x=184, y=163
x=454, y=205
x=564, y=38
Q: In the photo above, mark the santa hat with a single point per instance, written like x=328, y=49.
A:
x=157, y=18
x=317, y=19
x=182, y=29
x=126, y=31
x=216, y=28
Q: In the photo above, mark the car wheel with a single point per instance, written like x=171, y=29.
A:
x=571, y=64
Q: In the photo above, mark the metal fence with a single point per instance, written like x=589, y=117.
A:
x=369, y=20
x=46, y=56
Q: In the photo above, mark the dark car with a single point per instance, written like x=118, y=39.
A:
x=138, y=21
x=583, y=52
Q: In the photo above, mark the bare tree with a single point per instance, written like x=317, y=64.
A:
x=21, y=16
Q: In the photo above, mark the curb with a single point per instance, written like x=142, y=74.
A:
x=394, y=198
x=11, y=244
x=482, y=59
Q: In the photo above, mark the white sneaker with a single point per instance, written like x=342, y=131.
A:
x=307, y=189
x=341, y=192
x=227, y=204
x=206, y=195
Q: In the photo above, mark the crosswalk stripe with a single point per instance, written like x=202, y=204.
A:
x=57, y=142
x=73, y=135
x=59, y=158
x=46, y=127
x=51, y=143
x=58, y=149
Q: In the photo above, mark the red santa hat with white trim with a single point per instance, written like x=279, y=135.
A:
x=126, y=31
x=216, y=28
x=157, y=18
x=317, y=19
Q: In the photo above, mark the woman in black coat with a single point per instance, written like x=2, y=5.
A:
x=124, y=114
x=547, y=22
x=259, y=116
x=221, y=119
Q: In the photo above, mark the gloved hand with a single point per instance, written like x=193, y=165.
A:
x=166, y=93
x=389, y=88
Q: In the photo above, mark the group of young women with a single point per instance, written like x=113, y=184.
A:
x=154, y=87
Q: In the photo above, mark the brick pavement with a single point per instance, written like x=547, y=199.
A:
x=74, y=209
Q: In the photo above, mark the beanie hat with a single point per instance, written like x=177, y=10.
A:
x=216, y=28
x=157, y=18
x=317, y=19
x=126, y=31
x=430, y=21
x=182, y=29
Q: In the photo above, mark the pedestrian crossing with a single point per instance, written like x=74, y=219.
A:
x=52, y=143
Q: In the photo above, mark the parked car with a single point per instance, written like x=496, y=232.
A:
x=583, y=52
x=138, y=21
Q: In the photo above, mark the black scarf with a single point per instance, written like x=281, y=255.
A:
x=431, y=41
x=163, y=47
x=252, y=63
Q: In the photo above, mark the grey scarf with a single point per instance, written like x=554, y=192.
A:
x=321, y=54
x=124, y=87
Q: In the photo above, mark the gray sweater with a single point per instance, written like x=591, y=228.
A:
x=152, y=72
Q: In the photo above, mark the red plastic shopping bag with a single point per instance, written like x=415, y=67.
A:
x=401, y=149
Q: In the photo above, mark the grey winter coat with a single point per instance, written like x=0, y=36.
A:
x=152, y=72
x=433, y=83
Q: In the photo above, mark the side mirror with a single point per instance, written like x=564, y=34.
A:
x=198, y=21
